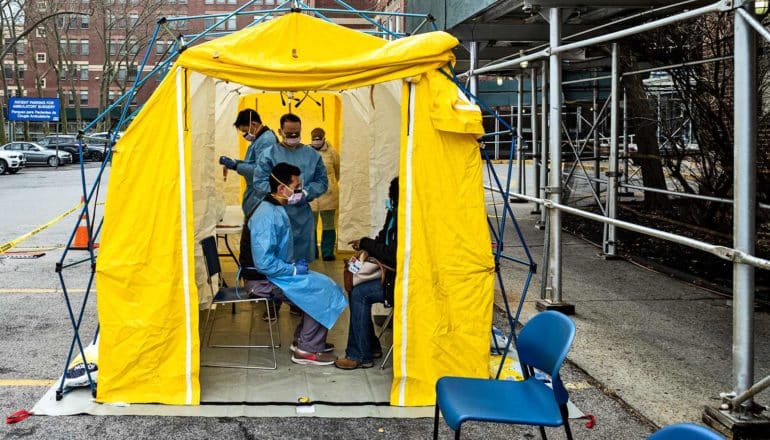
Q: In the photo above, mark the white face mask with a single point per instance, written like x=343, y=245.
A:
x=317, y=144
x=294, y=198
x=249, y=137
x=291, y=141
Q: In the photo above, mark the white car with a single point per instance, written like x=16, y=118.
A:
x=11, y=161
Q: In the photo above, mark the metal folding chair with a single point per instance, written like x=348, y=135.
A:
x=384, y=327
x=233, y=295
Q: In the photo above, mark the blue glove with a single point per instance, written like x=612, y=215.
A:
x=300, y=267
x=228, y=163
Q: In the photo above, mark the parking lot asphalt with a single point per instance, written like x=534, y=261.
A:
x=36, y=333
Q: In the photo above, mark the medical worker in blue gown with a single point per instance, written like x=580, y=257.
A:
x=320, y=298
x=314, y=183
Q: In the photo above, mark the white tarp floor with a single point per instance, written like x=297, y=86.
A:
x=236, y=392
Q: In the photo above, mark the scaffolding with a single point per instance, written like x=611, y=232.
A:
x=738, y=412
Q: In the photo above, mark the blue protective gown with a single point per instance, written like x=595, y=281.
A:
x=314, y=181
x=272, y=248
x=265, y=138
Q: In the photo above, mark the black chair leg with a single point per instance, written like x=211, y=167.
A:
x=542, y=433
x=435, y=423
x=457, y=433
x=565, y=417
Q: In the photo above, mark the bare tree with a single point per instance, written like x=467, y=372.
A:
x=704, y=93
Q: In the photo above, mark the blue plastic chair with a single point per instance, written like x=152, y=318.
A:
x=685, y=431
x=543, y=344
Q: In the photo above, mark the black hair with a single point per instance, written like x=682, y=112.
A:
x=393, y=191
x=246, y=116
x=281, y=175
x=291, y=117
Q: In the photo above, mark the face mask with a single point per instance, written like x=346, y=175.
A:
x=295, y=198
x=291, y=141
x=388, y=205
x=317, y=144
x=249, y=137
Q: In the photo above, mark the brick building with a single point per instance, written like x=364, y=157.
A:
x=90, y=57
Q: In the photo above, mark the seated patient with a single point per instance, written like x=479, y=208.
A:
x=363, y=345
x=320, y=299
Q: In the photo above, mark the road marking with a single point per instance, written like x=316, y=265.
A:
x=5, y=247
x=26, y=382
x=32, y=290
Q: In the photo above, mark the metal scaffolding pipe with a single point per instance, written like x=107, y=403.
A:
x=653, y=69
x=533, y=125
x=625, y=137
x=519, y=136
x=754, y=23
x=744, y=188
x=544, y=139
x=474, y=60
x=612, y=187
x=595, y=113
x=553, y=190
x=722, y=252
x=686, y=15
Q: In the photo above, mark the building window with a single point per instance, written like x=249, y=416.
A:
x=132, y=19
x=73, y=21
x=209, y=2
x=209, y=22
x=132, y=71
x=40, y=32
x=222, y=25
x=20, y=47
x=121, y=73
x=63, y=74
x=84, y=72
x=63, y=46
x=40, y=57
x=74, y=47
x=182, y=2
x=231, y=24
x=232, y=2
x=21, y=72
x=84, y=97
x=71, y=97
x=159, y=47
x=220, y=2
x=83, y=47
x=84, y=22
x=111, y=95
x=41, y=82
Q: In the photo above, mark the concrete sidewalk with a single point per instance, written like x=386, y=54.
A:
x=661, y=345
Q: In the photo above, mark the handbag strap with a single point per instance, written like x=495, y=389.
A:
x=383, y=268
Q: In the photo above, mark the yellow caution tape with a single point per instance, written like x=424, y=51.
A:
x=5, y=247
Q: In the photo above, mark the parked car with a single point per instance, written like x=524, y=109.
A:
x=11, y=161
x=34, y=154
x=71, y=145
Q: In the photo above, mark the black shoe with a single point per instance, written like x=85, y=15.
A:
x=329, y=258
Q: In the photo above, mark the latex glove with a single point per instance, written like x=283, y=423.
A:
x=228, y=163
x=300, y=267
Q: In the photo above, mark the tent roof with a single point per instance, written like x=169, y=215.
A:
x=299, y=52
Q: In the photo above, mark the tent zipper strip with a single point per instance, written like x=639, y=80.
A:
x=408, y=240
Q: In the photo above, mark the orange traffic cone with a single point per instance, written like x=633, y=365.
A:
x=81, y=234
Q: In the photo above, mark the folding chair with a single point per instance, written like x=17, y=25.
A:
x=542, y=344
x=685, y=431
x=384, y=327
x=233, y=295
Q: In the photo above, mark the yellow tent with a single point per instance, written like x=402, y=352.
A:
x=162, y=191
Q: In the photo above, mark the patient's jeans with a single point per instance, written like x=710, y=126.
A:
x=362, y=341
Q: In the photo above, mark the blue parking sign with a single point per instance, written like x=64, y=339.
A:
x=33, y=109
